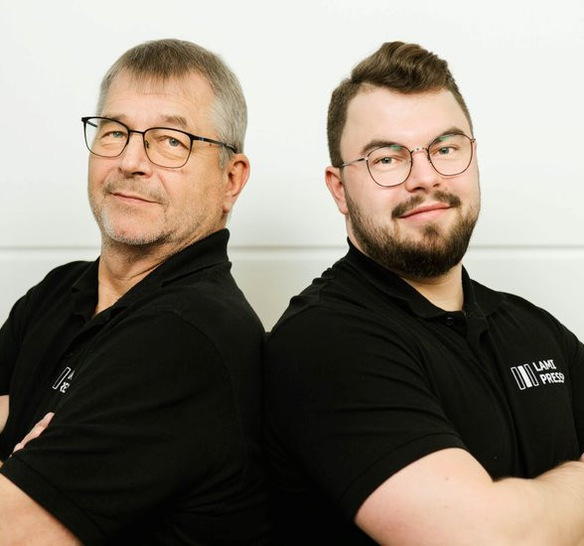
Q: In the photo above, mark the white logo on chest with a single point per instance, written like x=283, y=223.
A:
x=535, y=374
x=64, y=380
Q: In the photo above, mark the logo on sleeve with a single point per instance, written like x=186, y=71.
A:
x=536, y=374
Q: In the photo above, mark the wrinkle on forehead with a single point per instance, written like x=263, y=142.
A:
x=192, y=90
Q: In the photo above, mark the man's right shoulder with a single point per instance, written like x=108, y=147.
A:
x=55, y=284
x=339, y=298
x=70, y=270
x=61, y=277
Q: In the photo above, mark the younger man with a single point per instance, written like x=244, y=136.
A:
x=406, y=403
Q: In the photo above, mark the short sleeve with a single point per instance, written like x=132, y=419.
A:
x=352, y=407
x=150, y=414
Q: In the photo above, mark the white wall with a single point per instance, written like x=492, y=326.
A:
x=518, y=65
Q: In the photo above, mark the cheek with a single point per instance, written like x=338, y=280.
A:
x=96, y=171
x=474, y=190
x=383, y=200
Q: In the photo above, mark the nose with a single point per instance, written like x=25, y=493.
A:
x=134, y=160
x=422, y=176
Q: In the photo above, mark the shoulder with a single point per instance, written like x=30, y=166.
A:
x=506, y=306
x=62, y=277
x=344, y=293
x=338, y=340
x=70, y=270
x=211, y=303
x=528, y=324
x=205, y=321
x=56, y=286
x=345, y=304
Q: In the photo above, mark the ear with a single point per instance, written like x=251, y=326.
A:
x=334, y=183
x=237, y=173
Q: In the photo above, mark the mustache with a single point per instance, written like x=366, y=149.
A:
x=440, y=196
x=134, y=187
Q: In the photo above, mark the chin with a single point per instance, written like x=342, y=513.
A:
x=131, y=237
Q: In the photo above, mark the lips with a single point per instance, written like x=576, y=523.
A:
x=425, y=209
x=133, y=197
x=132, y=192
x=414, y=206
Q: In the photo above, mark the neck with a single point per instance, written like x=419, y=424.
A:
x=120, y=268
x=444, y=291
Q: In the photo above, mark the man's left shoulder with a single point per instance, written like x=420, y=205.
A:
x=214, y=305
x=511, y=312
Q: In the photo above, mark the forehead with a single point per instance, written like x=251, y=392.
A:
x=411, y=119
x=153, y=100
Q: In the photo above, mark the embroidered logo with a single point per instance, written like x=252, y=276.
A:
x=64, y=380
x=535, y=374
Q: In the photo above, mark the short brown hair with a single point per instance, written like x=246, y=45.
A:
x=170, y=58
x=398, y=66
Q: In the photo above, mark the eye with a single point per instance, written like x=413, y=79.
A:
x=110, y=131
x=387, y=160
x=384, y=160
x=388, y=157
x=171, y=140
x=444, y=150
x=448, y=146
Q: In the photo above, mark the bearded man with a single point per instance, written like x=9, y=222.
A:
x=406, y=403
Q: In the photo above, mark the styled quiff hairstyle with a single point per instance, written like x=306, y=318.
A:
x=161, y=60
x=397, y=66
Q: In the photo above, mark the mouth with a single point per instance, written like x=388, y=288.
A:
x=132, y=197
x=427, y=211
x=415, y=208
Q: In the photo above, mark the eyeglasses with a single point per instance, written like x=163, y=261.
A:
x=164, y=147
x=391, y=165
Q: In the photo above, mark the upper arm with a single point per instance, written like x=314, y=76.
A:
x=434, y=500
x=447, y=497
x=22, y=520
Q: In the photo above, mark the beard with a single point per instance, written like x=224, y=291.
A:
x=113, y=223
x=433, y=254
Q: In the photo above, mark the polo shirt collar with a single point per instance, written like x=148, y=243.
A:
x=204, y=253
x=84, y=291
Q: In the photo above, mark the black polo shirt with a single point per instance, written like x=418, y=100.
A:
x=364, y=376
x=155, y=436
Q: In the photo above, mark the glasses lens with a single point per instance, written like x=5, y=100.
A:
x=389, y=165
x=167, y=147
x=105, y=137
x=451, y=154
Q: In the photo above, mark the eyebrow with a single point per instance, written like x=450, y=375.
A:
x=379, y=143
x=171, y=120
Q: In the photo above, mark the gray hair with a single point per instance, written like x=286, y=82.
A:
x=170, y=58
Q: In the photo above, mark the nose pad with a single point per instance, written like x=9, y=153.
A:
x=426, y=156
x=423, y=173
x=421, y=149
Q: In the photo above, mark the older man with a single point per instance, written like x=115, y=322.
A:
x=148, y=357
x=408, y=404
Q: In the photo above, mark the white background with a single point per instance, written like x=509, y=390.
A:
x=518, y=64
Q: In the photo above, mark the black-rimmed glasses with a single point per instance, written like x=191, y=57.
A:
x=391, y=165
x=165, y=147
